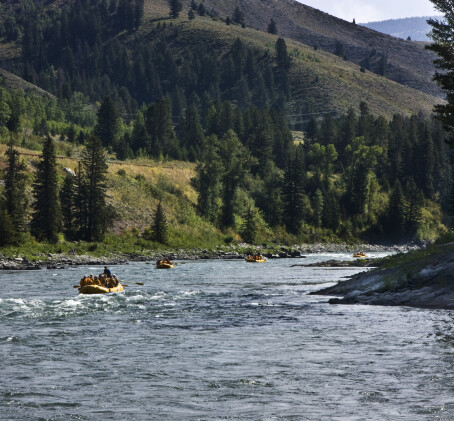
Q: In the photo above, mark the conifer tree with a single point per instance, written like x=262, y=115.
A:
x=107, y=126
x=159, y=227
x=395, y=213
x=282, y=58
x=272, y=27
x=207, y=181
x=95, y=174
x=14, y=201
x=238, y=16
x=46, y=221
x=8, y=234
x=249, y=228
x=175, y=8
x=191, y=133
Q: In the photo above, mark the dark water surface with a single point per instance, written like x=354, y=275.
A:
x=217, y=340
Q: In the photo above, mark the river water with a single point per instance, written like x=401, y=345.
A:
x=217, y=340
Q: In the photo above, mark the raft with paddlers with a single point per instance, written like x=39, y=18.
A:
x=165, y=264
x=255, y=258
x=102, y=284
x=359, y=254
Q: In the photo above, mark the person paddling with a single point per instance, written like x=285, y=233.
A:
x=107, y=272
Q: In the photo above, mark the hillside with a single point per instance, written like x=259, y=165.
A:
x=416, y=28
x=321, y=81
x=407, y=63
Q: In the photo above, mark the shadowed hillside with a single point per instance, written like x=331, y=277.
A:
x=407, y=63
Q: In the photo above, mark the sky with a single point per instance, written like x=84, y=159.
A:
x=373, y=10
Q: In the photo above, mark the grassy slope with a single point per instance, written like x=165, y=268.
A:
x=320, y=80
x=134, y=190
x=408, y=62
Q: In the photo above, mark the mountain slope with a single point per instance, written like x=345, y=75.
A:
x=321, y=82
x=408, y=63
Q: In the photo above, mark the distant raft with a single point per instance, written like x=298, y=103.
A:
x=359, y=255
x=98, y=289
x=161, y=264
x=255, y=259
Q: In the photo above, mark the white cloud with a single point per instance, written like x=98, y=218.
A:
x=373, y=10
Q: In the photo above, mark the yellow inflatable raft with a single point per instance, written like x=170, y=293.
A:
x=252, y=259
x=164, y=265
x=361, y=254
x=98, y=289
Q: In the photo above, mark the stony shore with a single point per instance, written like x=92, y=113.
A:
x=60, y=261
x=426, y=281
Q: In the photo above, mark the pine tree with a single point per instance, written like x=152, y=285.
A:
x=395, y=213
x=272, y=27
x=46, y=221
x=8, y=234
x=159, y=227
x=175, y=8
x=207, y=181
x=95, y=174
x=191, y=133
x=14, y=201
x=238, y=16
x=249, y=228
x=107, y=126
x=282, y=58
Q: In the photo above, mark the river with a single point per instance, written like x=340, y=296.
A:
x=217, y=340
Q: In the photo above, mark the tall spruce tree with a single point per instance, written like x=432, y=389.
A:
x=95, y=174
x=46, y=221
x=14, y=200
x=159, y=227
x=107, y=125
x=208, y=181
x=175, y=8
x=442, y=35
x=272, y=27
x=250, y=227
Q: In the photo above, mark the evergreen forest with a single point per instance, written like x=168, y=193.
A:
x=116, y=87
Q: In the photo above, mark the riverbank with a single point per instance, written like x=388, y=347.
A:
x=37, y=261
x=424, y=278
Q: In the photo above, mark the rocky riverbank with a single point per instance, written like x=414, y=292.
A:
x=420, y=279
x=56, y=261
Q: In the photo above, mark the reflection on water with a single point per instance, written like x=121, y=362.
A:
x=217, y=340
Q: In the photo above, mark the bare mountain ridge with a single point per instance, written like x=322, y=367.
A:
x=416, y=28
x=407, y=62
